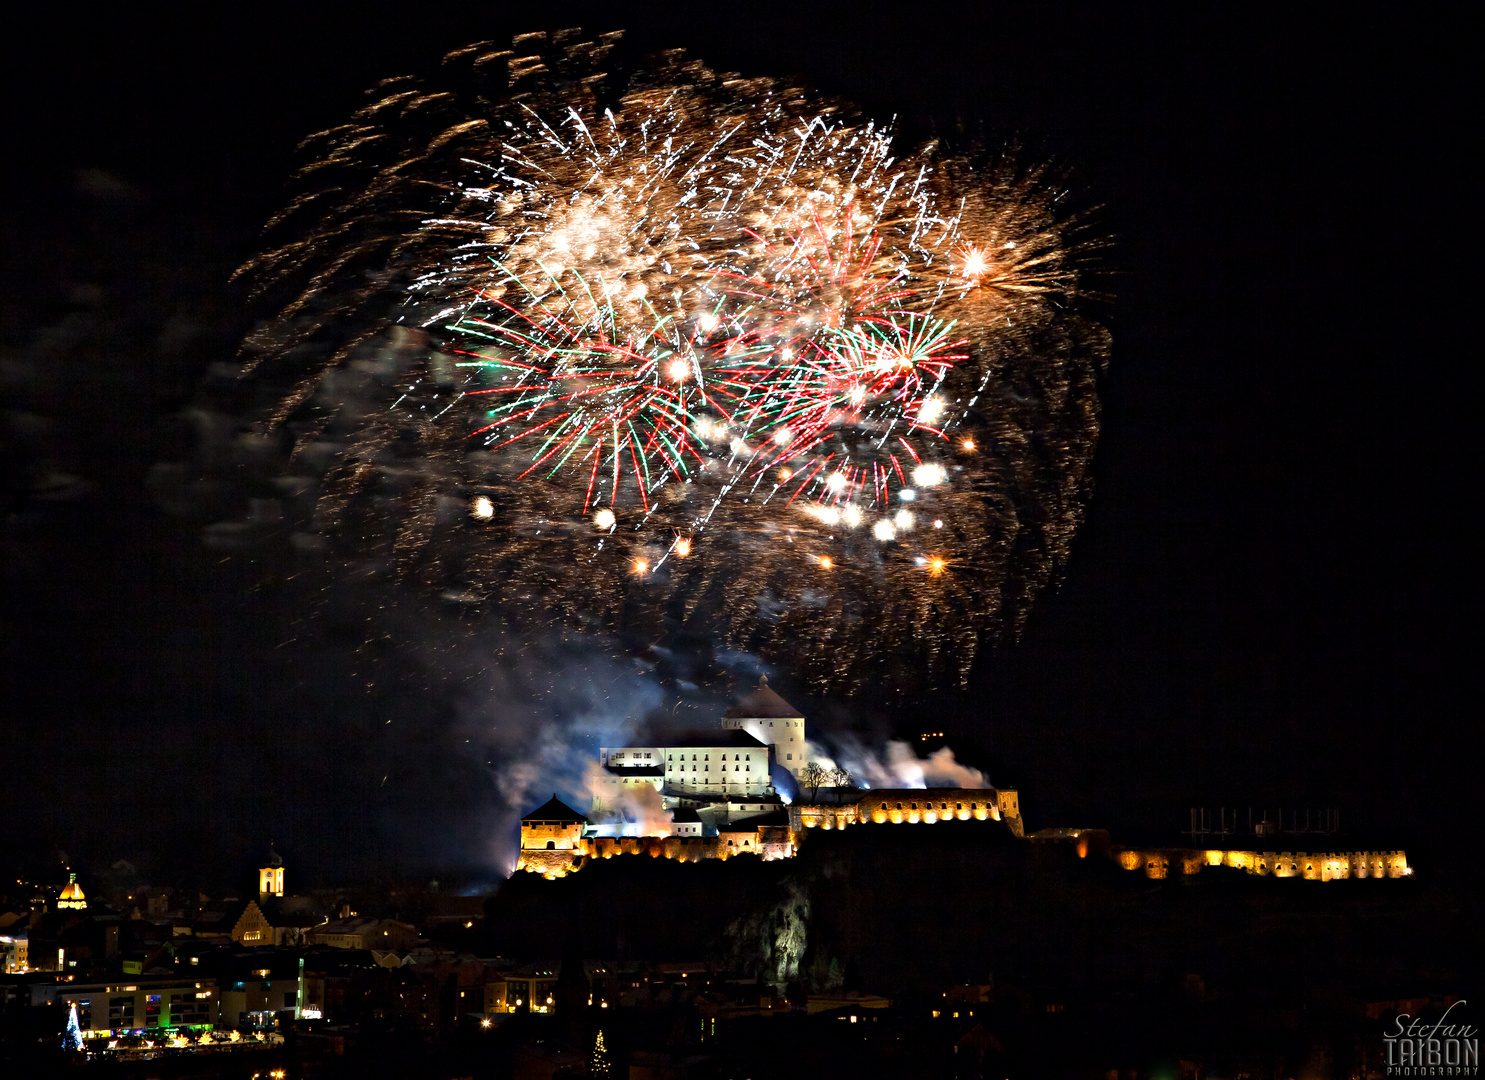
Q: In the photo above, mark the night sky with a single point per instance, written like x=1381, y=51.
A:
x=1267, y=604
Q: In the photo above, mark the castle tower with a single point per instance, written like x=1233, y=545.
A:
x=271, y=877
x=770, y=719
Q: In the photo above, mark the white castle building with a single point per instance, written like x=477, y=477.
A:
x=723, y=775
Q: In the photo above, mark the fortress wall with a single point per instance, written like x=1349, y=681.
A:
x=1159, y=863
x=566, y=837
x=921, y=806
x=767, y=842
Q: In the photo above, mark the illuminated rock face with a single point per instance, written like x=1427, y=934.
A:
x=1310, y=866
x=550, y=864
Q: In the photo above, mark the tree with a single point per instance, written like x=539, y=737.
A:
x=72, y=1037
x=839, y=777
x=600, y=1065
x=812, y=776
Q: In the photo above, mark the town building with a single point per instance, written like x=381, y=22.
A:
x=144, y=1006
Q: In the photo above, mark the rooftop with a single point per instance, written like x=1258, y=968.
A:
x=762, y=703
x=556, y=811
x=708, y=739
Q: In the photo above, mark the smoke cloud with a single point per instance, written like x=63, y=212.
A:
x=896, y=765
x=632, y=811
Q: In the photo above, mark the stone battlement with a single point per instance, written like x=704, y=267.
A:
x=1158, y=863
x=554, y=845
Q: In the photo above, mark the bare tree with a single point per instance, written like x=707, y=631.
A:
x=812, y=776
x=839, y=778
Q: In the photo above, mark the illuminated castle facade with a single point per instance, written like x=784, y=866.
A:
x=715, y=777
x=714, y=794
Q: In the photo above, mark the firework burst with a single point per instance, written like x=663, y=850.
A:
x=679, y=349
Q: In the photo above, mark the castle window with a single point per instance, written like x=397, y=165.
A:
x=899, y=806
x=959, y=806
x=789, y=756
x=884, y=806
x=913, y=806
x=551, y=845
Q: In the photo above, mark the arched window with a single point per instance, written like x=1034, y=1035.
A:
x=551, y=845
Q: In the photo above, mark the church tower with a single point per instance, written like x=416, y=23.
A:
x=271, y=877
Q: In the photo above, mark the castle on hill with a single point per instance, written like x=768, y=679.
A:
x=703, y=780
x=716, y=793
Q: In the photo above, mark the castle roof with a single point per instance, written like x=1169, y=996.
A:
x=752, y=824
x=685, y=814
x=763, y=703
x=555, y=811
x=636, y=770
x=275, y=860
x=734, y=737
x=72, y=890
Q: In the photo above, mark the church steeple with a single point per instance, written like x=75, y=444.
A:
x=71, y=895
x=271, y=877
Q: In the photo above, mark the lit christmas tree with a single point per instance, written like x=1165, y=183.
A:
x=72, y=1038
x=599, y=1065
